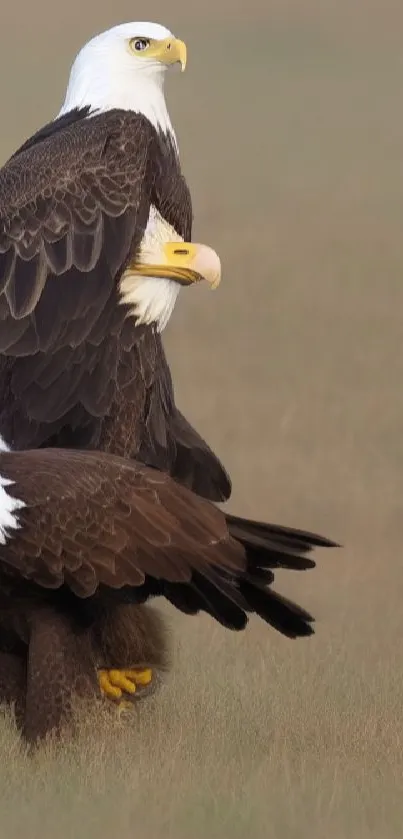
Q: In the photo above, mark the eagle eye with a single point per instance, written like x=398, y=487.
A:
x=139, y=44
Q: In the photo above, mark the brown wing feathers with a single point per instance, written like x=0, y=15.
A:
x=70, y=204
x=98, y=524
x=75, y=200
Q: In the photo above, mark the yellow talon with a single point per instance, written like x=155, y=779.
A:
x=122, y=680
x=107, y=687
x=114, y=683
x=140, y=677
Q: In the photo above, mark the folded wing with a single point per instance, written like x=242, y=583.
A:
x=96, y=523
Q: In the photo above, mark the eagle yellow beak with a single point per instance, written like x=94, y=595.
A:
x=171, y=51
x=183, y=262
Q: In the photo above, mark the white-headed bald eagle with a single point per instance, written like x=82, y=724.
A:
x=95, y=242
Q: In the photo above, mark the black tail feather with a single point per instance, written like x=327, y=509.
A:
x=286, y=537
x=228, y=608
x=271, y=557
x=230, y=596
x=270, y=546
x=229, y=599
x=280, y=613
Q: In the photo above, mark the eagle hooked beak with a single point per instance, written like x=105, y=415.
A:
x=169, y=51
x=185, y=263
x=176, y=52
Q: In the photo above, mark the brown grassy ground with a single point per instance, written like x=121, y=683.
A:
x=291, y=129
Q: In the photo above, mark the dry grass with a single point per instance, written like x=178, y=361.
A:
x=266, y=743
x=291, y=129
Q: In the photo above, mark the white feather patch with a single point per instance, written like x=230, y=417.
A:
x=3, y=445
x=151, y=299
x=8, y=504
x=8, y=507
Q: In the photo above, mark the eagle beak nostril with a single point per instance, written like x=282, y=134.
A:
x=181, y=252
x=169, y=46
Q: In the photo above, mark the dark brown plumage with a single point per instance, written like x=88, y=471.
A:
x=100, y=535
x=93, y=522
x=96, y=533
x=74, y=369
x=47, y=660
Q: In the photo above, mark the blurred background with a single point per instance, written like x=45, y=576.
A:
x=290, y=124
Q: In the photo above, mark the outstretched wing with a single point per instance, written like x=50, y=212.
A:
x=93, y=521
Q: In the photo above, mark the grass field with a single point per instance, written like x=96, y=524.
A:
x=290, y=122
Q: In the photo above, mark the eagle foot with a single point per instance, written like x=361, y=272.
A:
x=118, y=684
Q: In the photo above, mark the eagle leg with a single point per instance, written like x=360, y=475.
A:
x=130, y=648
x=115, y=683
x=60, y=669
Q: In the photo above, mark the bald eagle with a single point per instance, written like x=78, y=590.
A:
x=106, y=489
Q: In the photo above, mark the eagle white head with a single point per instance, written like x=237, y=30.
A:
x=125, y=68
